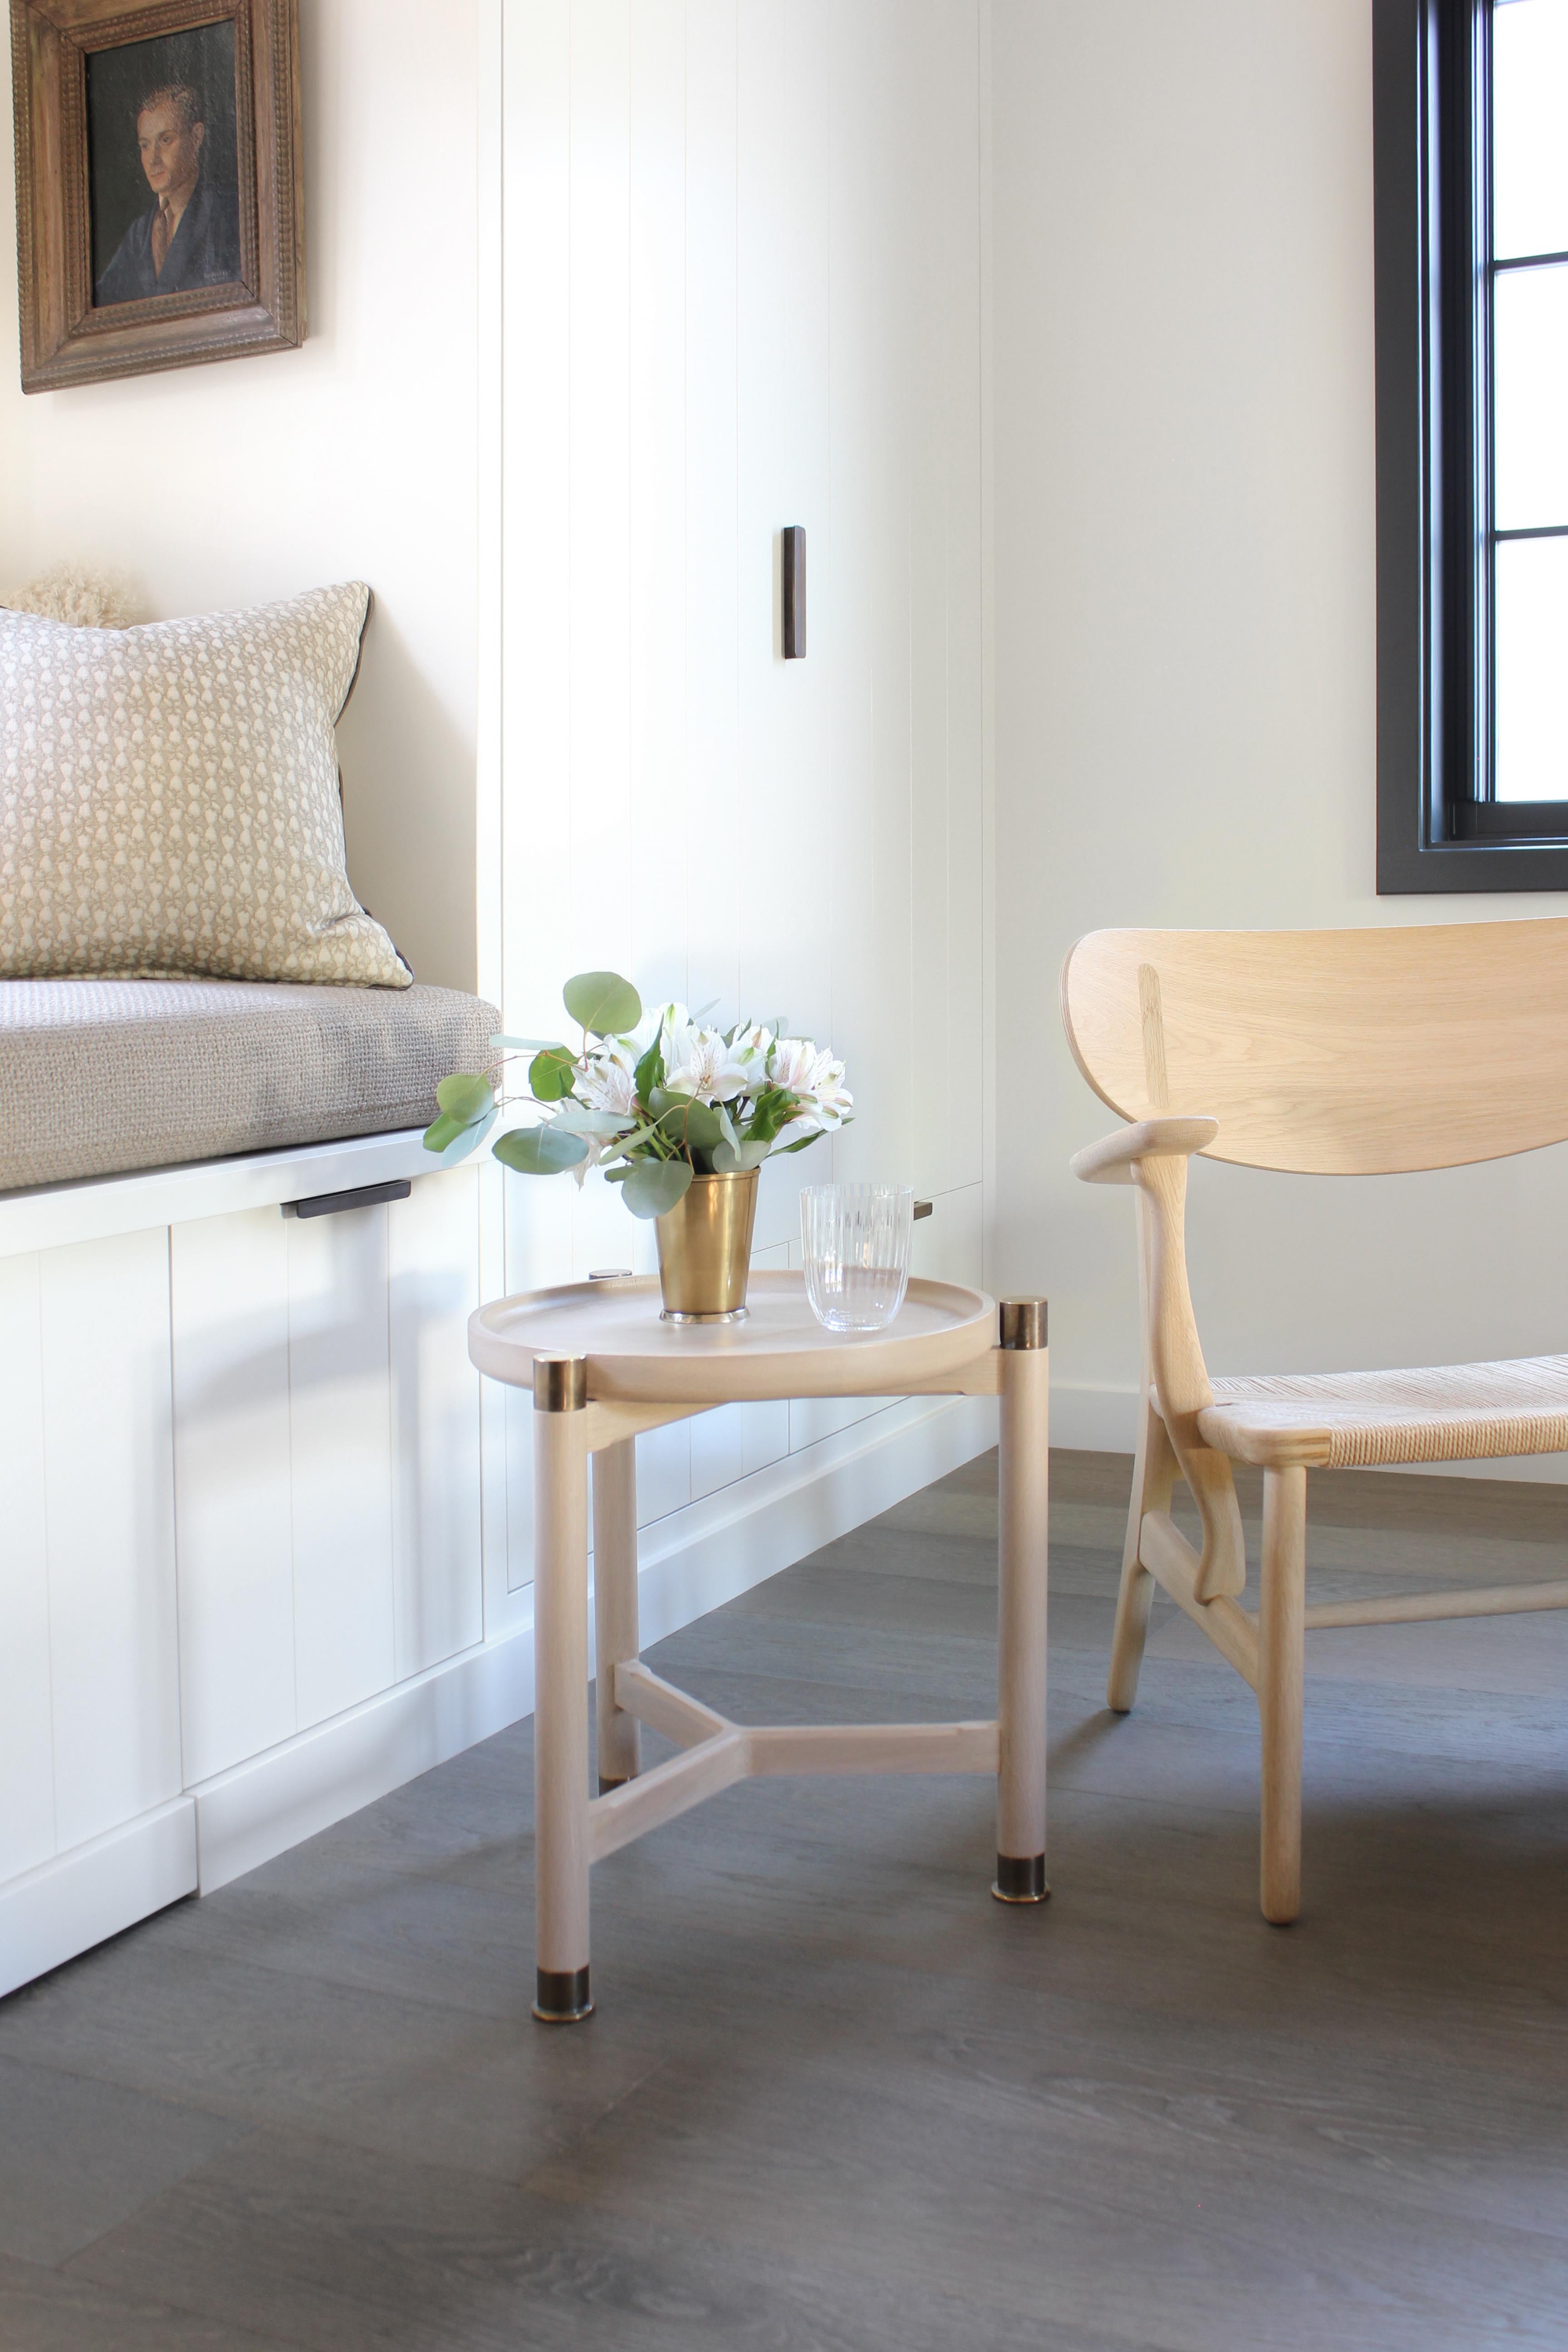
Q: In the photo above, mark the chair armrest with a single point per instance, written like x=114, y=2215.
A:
x=1109, y=1161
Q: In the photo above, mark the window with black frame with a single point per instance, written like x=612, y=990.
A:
x=1471, y=104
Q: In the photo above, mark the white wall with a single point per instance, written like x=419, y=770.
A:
x=1185, y=552
x=742, y=289
x=352, y=458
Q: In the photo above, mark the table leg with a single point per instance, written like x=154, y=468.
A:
x=1021, y=1662
x=615, y=1606
x=561, y=1687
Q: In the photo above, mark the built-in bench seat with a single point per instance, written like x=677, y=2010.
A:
x=102, y=1077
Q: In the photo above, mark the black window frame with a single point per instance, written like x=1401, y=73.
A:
x=1439, y=828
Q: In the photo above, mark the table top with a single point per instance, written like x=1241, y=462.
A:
x=781, y=1350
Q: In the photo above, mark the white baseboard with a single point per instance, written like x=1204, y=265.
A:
x=1092, y=1417
x=65, y=1906
x=688, y=1565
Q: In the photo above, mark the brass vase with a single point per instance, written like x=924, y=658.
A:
x=705, y=1249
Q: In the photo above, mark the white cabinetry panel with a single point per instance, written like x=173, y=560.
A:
x=27, y=1760
x=433, y=1243
x=339, y=1418
x=742, y=289
x=664, y=1471
x=108, y=1488
x=229, y=1325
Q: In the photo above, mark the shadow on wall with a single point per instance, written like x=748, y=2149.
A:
x=408, y=780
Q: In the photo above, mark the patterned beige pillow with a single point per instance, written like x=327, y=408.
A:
x=169, y=798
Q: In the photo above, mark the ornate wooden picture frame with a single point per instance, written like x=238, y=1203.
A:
x=159, y=208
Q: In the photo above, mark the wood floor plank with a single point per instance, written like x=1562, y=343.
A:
x=342, y=2251
x=43, y=2311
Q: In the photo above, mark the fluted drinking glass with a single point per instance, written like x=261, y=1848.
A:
x=855, y=1241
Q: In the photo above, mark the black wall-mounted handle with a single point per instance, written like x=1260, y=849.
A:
x=793, y=559
x=331, y=1204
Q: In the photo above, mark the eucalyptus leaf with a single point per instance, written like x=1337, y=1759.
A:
x=464, y=1098
x=691, y=1124
x=729, y=1159
x=469, y=1140
x=578, y=1119
x=453, y=1139
x=603, y=1003
x=550, y=1074
x=653, y=1187
x=727, y=1126
x=632, y=1144
x=540, y=1150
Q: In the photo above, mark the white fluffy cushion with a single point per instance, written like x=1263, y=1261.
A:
x=169, y=798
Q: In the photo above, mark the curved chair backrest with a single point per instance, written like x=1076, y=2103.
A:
x=1333, y=1053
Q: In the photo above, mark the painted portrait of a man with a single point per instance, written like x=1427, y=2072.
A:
x=163, y=153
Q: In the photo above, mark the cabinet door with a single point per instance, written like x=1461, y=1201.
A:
x=339, y=1418
x=229, y=1310
x=433, y=1240
x=27, y=1734
x=109, y=1503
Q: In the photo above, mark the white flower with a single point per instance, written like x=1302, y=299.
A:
x=814, y=1078
x=752, y=1046
x=655, y=1018
x=603, y=1079
x=698, y=1063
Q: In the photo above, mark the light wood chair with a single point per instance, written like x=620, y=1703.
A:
x=1335, y=1053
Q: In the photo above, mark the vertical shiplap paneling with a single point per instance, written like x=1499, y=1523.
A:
x=764, y=1428
x=537, y=799
x=783, y=809
x=951, y=129
x=110, y=1501
x=229, y=1330
x=923, y=326
x=947, y=1244
x=339, y=1418
x=879, y=65
x=26, y=1757
x=659, y=914
x=432, y=1289
x=715, y=877
x=601, y=877
x=657, y=813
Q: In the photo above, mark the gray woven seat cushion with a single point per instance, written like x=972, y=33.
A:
x=99, y=1077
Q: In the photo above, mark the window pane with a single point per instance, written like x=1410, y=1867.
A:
x=1531, y=394
x=1530, y=126
x=1533, y=669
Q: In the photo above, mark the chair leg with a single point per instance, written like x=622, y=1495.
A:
x=1153, y=1474
x=1280, y=1649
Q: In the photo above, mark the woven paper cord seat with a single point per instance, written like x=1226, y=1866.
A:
x=1447, y=1412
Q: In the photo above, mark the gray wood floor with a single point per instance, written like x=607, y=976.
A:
x=836, y=2099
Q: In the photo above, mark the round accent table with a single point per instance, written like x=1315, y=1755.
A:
x=603, y=1366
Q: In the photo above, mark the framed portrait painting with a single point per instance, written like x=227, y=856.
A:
x=159, y=219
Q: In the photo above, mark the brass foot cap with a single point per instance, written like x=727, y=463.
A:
x=605, y=1786
x=1020, y=1878
x=562, y=1996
